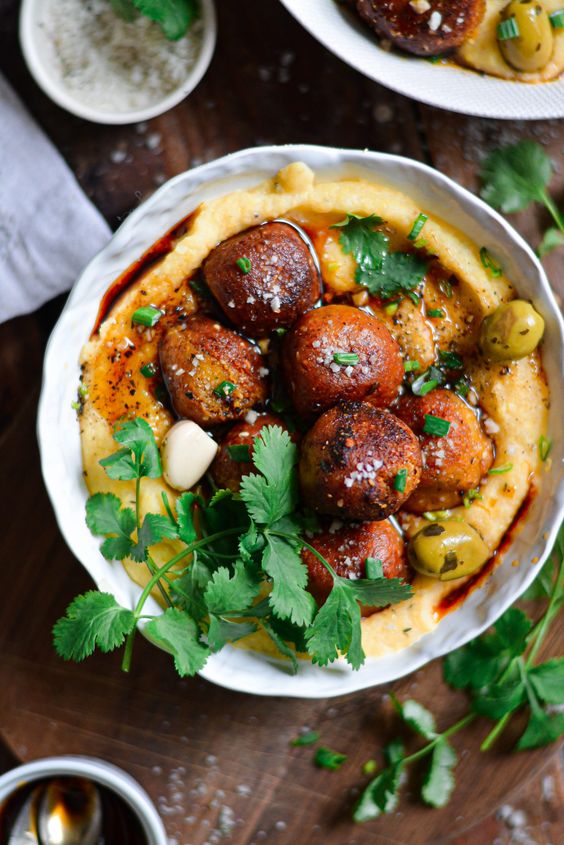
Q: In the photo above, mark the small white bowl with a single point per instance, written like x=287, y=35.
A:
x=105, y=774
x=33, y=40
x=59, y=438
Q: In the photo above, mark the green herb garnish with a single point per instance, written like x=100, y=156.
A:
x=417, y=226
x=173, y=16
x=148, y=370
x=471, y=496
x=517, y=175
x=545, y=447
x=436, y=426
x=326, y=759
x=400, y=481
x=382, y=272
x=489, y=264
x=244, y=265
x=240, y=452
x=224, y=388
x=500, y=470
x=451, y=360
x=346, y=359
x=507, y=30
x=411, y=366
x=436, y=312
x=147, y=316
x=239, y=567
x=557, y=19
x=427, y=381
x=499, y=673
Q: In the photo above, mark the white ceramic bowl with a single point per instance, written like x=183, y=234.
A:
x=448, y=87
x=99, y=771
x=59, y=436
x=37, y=55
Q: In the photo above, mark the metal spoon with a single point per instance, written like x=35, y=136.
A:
x=70, y=813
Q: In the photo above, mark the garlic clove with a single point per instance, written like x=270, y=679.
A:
x=186, y=453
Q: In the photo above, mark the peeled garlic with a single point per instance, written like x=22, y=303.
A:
x=186, y=453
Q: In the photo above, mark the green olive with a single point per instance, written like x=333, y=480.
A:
x=513, y=331
x=531, y=50
x=447, y=550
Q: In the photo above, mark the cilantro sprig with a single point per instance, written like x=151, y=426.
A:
x=517, y=175
x=238, y=568
x=382, y=272
x=498, y=671
x=173, y=16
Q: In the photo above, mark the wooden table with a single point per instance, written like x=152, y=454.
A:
x=212, y=759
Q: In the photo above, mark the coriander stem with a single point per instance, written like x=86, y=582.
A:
x=548, y=615
x=552, y=208
x=128, y=652
x=496, y=731
x=417, y=755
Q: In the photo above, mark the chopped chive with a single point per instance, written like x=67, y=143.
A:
x=225, y=388
x=557, y=19
x=326, y=759
x=369, y=767
x=240, y=452
x=148, y=370
x=346, y=359
x=500, y=470
x=434, y=516
x=147, y=316
x=413, y=296
x=506, y=30
x=461, y=387
x=391, y=307
x=436, y=312
x=445, y=288
x=400, y=481
x=280, y=331
x=410, y=366
x=451, y=360
x=545, y=445
x=471, y=496
x=421, y=243
x=489, y=264
x=426, y=388
x=374, y=568
x=244, y=265
x=434, y=59
x=76, y=406
x=436, y=426
x=308, y=738
x=417, y=226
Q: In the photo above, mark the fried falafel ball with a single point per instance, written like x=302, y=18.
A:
x=264, y=278
x=452, y=464
x=359, y=462
x=230, y=465
x=346, y=548
x=212, y=374
x=425, y=29
x=339, y=352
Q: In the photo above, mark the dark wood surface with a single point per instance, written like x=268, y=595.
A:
x=196, y=748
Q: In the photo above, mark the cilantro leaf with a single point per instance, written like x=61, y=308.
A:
x=547, y=680
x=188, y=590
x=178, y=634
x=92, y=620
x=222, y=631
x=282, y=646
x=325, y=758
x=106, y=517
x=552, y=239
x=289, y=598
x=173, y=16
x=377, y=592
x=336, y=628
x=400, y=271
x=272, y=495
x=394, y=751
x=511, y=631
x=185, y=516
x=139, y=457
x=361, y=238
x=439, y=781
x=542, y=729
x=417, y=717
x=380, y=796
x=499, y=699
x=155, y=528
x=226, y=592
x=515, y=176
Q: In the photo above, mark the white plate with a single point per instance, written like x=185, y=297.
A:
x=59, y=436
x=448, y=87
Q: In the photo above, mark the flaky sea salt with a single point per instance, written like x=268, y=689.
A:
x=111, y=64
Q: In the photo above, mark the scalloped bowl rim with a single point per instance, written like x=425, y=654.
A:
x=237, y=668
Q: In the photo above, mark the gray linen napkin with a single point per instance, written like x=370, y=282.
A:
x=49, y=229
